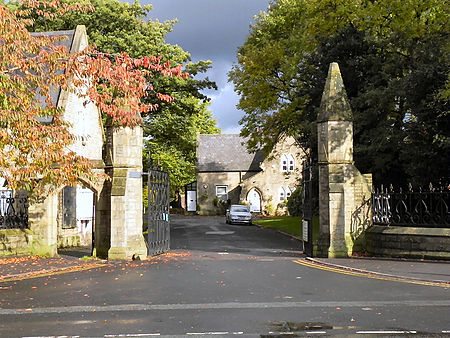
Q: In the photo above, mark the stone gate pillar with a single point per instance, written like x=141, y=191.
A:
x=342, y=188
x=335, y=155
x=126, y=238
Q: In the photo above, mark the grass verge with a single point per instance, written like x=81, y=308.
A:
x=290, y=225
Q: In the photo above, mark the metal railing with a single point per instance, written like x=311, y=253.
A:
x=13, y=210
x=361, y=218
x=413, y=208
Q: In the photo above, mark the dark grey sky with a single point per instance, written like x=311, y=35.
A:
x=212, y=30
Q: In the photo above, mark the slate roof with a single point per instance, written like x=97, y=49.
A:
x=67, y=41
x=225, y=152
x=69, y=34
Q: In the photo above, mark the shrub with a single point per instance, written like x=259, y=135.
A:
x=294, y=203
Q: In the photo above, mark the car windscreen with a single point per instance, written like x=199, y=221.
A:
x=239, y=209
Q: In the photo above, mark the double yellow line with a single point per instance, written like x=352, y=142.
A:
x=367, y=274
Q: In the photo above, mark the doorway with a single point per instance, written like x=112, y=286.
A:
x=76, y=221
x=254, y=198
x=191, y=197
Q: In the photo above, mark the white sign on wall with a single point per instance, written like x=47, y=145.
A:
x=305, y=231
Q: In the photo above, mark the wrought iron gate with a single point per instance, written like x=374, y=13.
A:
x=158, y=211
x=308, y=200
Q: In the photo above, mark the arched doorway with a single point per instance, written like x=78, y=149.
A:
x=254, y=198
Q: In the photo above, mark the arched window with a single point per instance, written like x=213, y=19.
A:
x=281, y=194
x=291, y=163
x=284, y=163
x=288, y=192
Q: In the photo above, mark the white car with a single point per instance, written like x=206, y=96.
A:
x=238, y=214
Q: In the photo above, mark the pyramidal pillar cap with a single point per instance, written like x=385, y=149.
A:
x=334, y=105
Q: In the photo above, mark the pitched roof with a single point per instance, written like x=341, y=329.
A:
x=225, y=152
x=65, y=40
x=72, y=40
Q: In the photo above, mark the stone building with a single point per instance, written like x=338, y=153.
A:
x=65, y=218
x=108, y=211
x=229, y=174
x=76, y=205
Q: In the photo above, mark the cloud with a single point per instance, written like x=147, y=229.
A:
x=208, y=28
x=223, y=106
x=212, y=30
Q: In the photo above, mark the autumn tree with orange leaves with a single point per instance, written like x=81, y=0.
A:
x=35, y=156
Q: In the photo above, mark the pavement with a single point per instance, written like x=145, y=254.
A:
x=420, y=270
x=18, y=268
x=25, y=267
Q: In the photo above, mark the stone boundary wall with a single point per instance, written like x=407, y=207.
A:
x=407, y=242
x=15, y=242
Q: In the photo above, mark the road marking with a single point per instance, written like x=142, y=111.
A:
x=386, y=332
x=205, y=333
x=216, y=231
x=223, y=306
x=219, y=233
x=281, y=333
x=132, y=335
x=185, y=226
x=316, y=332
x=52, y=337
x=368, y=274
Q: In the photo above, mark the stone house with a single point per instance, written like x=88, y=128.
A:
x=228, y=174
x=107, y=213
x=65, y=218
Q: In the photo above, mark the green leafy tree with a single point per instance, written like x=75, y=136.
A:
x=394, y=58
x=171, y=129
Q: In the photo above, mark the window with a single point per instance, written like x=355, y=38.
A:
x=222, y=192
x=287, y=163
x=288, y=192
x=69, y=207
x=284, y=163
x=281, y=194
x=239, y=208
x=291, y=162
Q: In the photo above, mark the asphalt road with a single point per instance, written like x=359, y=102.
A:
x=220, y=280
